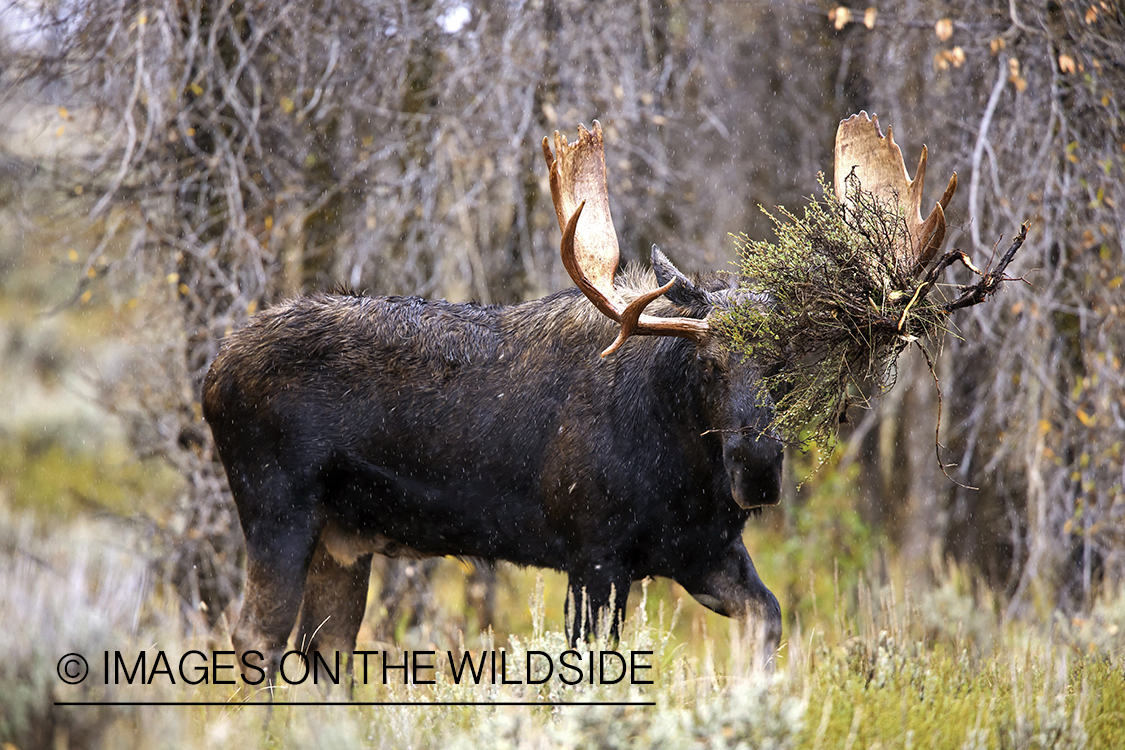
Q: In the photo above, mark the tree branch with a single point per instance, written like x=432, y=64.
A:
x=977, y=293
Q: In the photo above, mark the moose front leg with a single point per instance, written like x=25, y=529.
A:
x=734, y=589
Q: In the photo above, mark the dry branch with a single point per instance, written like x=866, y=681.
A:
x=991, y=281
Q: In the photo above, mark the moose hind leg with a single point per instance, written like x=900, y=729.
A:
x=279, y=547
x=269, y=610
x=734, y=589
x=333, y=606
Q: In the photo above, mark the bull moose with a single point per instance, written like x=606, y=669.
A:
x=352, y=425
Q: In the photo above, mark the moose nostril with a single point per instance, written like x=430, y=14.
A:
x=736, y=486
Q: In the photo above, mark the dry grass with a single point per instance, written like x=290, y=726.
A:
x=884, y=663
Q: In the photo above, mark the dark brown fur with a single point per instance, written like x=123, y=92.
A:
x=354, y=425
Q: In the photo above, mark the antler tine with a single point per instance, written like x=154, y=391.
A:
x=589, y=244
x=877, y=162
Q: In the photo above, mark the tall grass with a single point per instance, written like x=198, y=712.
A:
x=883, y=665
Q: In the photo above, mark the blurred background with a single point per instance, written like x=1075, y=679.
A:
x=168, y=168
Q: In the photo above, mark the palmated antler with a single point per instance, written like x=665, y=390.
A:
x=589, y=242
x=862, y=150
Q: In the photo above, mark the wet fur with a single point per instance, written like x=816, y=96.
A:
x=352, y=425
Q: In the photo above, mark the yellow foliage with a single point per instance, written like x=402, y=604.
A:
x=839, y=16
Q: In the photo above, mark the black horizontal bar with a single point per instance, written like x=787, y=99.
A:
x=356, y=703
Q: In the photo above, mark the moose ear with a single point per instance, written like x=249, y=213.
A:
x=684, y=292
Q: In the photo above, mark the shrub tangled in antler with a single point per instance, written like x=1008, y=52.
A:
x=843, y=310
x=849, y=287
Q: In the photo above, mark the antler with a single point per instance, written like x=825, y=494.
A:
x=878, y=163
x=589, y=243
